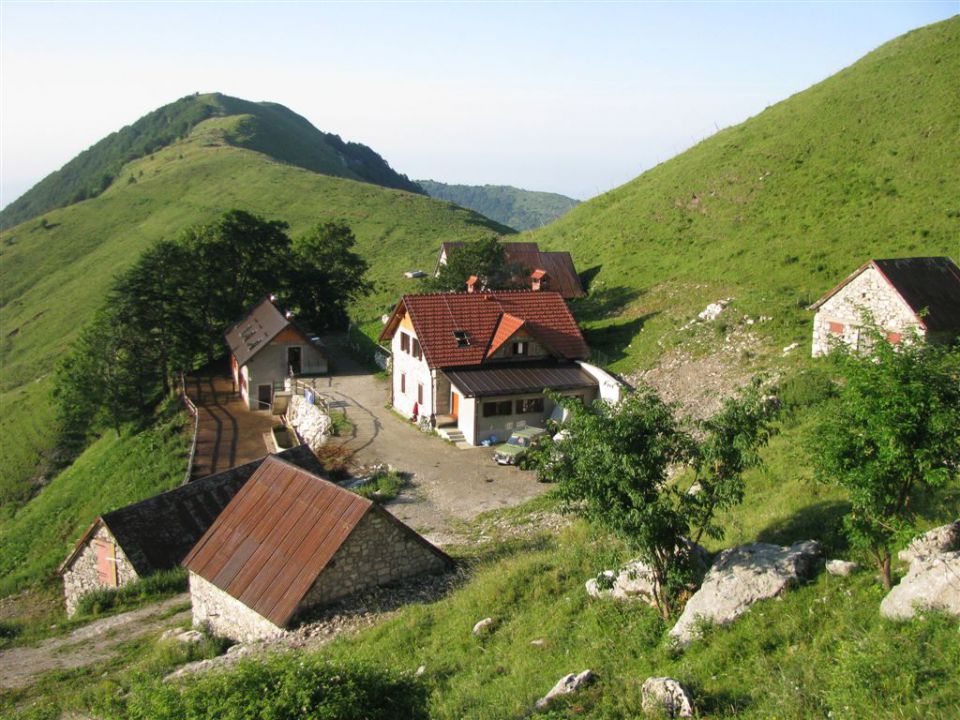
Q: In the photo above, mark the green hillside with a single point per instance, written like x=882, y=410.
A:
x=267, y=127
x=775, y=211
x=54, y=272
x=516, y=208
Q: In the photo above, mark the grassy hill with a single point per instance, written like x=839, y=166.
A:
x=266, y=127
x=53, y=273
x=516, y=208
x=775, y=211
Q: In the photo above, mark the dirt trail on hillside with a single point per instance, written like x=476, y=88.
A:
x=92, y=643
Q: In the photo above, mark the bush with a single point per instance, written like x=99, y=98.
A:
x=806, y=389
x=278, y=688
x=153, y=587
x=383, y=487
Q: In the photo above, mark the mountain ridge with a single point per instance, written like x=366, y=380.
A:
x=512, y=206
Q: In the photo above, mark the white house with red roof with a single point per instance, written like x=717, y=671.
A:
x=478, y=364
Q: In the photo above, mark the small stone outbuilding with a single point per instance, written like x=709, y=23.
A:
x=290, y=541
x=902, y=295
x=155, y=534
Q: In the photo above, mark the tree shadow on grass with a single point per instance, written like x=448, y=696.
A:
x=603, y=302
x=610, y=343
x=588, y=276
x=822, y=521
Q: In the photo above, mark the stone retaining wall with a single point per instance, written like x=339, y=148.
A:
x=310, y=422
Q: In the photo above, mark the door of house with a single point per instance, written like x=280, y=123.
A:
x=294, y=356
x=106, y=562
x=454, y=405
x=264, y=397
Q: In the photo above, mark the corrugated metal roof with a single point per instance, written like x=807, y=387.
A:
x=930, y=286
x=261, y=325
x=157, y=533
x=510, y=379
x=437, y=317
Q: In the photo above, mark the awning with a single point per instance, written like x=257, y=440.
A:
x=515, y=379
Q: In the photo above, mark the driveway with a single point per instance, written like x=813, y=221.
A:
x=449, y=484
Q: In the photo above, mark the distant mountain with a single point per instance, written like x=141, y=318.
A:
x=265, y=127
x=516, y=208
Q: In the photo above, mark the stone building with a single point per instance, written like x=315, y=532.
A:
x=266, y=348
x=155, y=534
x=290, y=541
x=902, y=295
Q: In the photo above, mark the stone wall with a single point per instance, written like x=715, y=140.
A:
x=377, y=552
x=310, y=422
x=225, y=615
x=81, y=576
x=840, y=317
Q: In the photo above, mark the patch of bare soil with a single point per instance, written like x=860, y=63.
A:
x=92, y=643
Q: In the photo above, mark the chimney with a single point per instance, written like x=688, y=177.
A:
x=472, y=283
x=538, y=280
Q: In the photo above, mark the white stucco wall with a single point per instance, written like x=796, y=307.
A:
x=416, y=371
x=502, y=425
x=869, y=291
x=270, y=365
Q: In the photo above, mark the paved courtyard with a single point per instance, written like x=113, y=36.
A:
x=448, y=484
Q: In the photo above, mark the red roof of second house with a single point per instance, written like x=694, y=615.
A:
x=458, y=329
x=557, y=265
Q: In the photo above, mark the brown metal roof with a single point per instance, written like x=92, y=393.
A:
x=510, y=379
x=562, y=276
x=277, y=535
x=930, y=286
x=261, y=325
x=157, y=533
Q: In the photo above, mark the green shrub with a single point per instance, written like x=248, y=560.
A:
x=383, y=487
x=281, y=687
x=806, y=389
x=153, y=587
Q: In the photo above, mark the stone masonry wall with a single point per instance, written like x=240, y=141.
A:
x=376, y=553
x=868, y=291
x=81, y=576
x=225, y=615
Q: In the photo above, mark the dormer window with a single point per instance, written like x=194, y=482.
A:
x=462, y=338
x=521, y=348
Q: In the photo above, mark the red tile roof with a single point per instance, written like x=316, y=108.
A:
x=437, y=317
x=559, y=266
x=506, y=329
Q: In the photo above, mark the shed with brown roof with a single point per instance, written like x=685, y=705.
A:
x=901, y=295
x=290, y=541
x=157, y=533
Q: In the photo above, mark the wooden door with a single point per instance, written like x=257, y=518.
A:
x=106, y=562
x=294, y=359
x=454, y=405
x=264, y=397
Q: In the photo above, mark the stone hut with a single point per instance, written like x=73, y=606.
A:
x=902, y=295
x=155, y=534
x=290, y=541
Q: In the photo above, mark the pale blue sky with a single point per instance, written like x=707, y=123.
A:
x=568, y=97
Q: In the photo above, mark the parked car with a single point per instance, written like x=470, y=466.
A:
x=510, y=452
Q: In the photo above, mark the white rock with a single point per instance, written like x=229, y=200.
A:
x=190, y=637
x=310, y=422
x=566, y=685
x=420, y=671
x=483, y=626
x=594, y=589
x=933, y=583
x=841, y=568
x=663, y=694
x=741, y=576
x=712, y=311
x=940, y=539
x=790, y=348
x=539, y=642
x=635, y=580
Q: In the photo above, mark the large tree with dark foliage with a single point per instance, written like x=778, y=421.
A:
x=484, y=258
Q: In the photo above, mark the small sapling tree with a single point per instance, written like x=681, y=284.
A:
x=894, y=431
x=612, y=467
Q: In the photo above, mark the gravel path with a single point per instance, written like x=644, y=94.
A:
x=94, y=642
x=449, y=484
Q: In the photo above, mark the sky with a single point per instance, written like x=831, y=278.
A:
x=570, y=97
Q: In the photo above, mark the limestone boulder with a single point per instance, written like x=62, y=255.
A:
x=666, y=695
x=941, y=539
x=841, y=568
x=566, y=685
x=932, y=583
x=484, y=627
x=741, y=576
x=635, y=580
x=310, y=422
